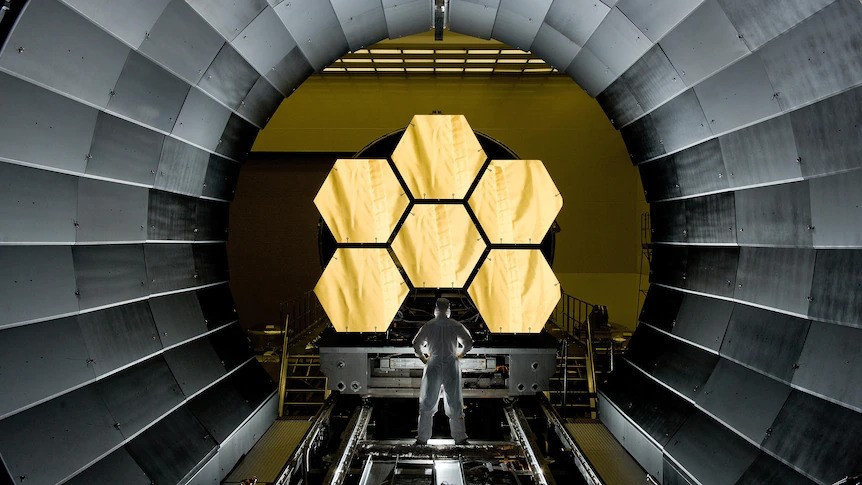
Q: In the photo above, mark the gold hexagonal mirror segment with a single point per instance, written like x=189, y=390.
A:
x=361, y=289
x=439, y=156
x=516, y=201
x=361, y=201
x=515, y=291
x=438, y=245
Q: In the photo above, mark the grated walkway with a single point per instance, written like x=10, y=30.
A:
x=270, y=453
x=608, y=457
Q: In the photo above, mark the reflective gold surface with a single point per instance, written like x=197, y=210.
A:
x=438, y=246
x=516, y=201
x=515, y=291
x=439, y=156
x=361, y=201
x=361, y=290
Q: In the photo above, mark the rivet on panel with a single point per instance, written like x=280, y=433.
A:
x=20, y=50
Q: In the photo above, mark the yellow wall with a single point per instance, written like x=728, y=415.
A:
x=546, y=118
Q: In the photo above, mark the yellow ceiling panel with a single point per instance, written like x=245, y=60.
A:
x=516, y=201
x=361, y=290
x=439, y=156
x=361, y=201
x=515, y=291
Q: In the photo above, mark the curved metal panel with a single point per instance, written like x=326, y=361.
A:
x=661, y=307
x=668, y=265
x=290, y=72
x=229, y=78
x=653, y=79
x=743, y=399
x=316, y=29
x=172, y=448
x=703, y=43
x=170, y=267
x=140, y=395
x=761, y=21
x=834, y=201
x=31, y=115
x=51, y=441
x=125, y=151
x=805, y=416
x=405, y=17
x=210, y=263
x=554, y=47
x=681, y=122
x=659, y=180
x=238, y=137
x=700, y=169
x=119, y=335
x=118, y=465
x=260, y=103
x=617, y=42
x=40, y=360
x=590, y=73
x=254, y=383
x=703, y=320
x=473, y=17
x=109, y=274
x=195, y=365
x=776, y=277
x=835, y=294
x=148, y=94
x=217, y=305
x=619, y=104
x=178, y=317
x=362, y=21
x=201, y=120
x=710, y=219
x=130, y=20
x=170, y=216
x=765, y=152
x=231, y=345
x=221, y=408
x=831, y=365
x=182, y=168
x=109, y=211
x=767, y=469
x=778, y=215
x=518, y=21
x=211, y=220
x=78, y=59
x=766, y=341
x=712, y=270
x=221, y=178
x=36, y=282
x=36, y=205
x=264, y=41
x=228, y=17
x=817, y=57
x=668, y=221
x=828, y=133
x=642, y=140
x=656, y=18
x=576, y=19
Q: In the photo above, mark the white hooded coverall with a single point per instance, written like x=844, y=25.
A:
x=442, y=335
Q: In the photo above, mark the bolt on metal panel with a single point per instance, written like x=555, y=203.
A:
x=182, y=168
x=653, y=79
x=201, y=120
x=576, y=19
x=78, y=58
x=36, y=206
x=765, y=152
x=711, y=219
x=36, y=282
x=109, y=274
x=170, y=216
x=619, y=103
x=109, y=211
x=221, y=178
x=195, y=365
x=778, y=278
x=834, y=201
x=554, y=47
x=702, y=320
x=260, y=103
x=170, y=267
x=229, y=78
x=473, y=17
x=124, y=151
x=700, y=169
x=264, y=42
x=835, y=295
x=118, y=465
x=777, y=215
x=759, y=22
x=831, y=365
x=228, y=17
x=362, y=21
x=828, y=134
x=314, y=26
x=618, y=42
x=681, y=122
x=656, y=18
x=405, y=17
x=129, y=20
x=518, y=22
x=178, y=317
x=590, y=73
x=703, y=43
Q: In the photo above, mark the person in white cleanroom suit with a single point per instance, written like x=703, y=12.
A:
x=440, y=337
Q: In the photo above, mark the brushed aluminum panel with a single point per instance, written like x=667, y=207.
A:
x=703, y=43
x=195, y=365
x=776, y=277
x=238, y=137
x=36, y=206
x=576, y=19
x=835, y=200
x=761, y=21
x=828, y=132
x=777, y=215
x=767, y=341
x=642, y=140
x=712, y=270
x=211, y=220
x=170, y=267
x=229, y=78
x=316, y=29
x=681, y=122
x=653, y=79
x=31, y=115
x=668, y=265
x=473, y=17
x=221, y=178
x=290, y=72
x=710, y=452
x=78, y=58
x=182, y=42
x=210, y=263
x=744, y=399
x=231, y=345
x=830, y=364
x=702, y=320
x=767, y=469
x=405, y=17
x=228, y=17
x=737, y=96
x=617, y=42
x=710, y=219
x=118, y=465
x=109, y=274
x=201, y=120
x=619, y=104
x=217, y=305
x=805, y=416
x=36, y=282
x=109, y=211
x=129, y=20
x=172, y=448
x=362, y=21
x=590, y=73
x=661, y=307
x=178, y=317
x=148, y=94
x=49, y=442
x=260, y=103
x=220, y=409
x=765, y=152
x=518, y=21
x=700, y=168
x=138, y=396
x=40, y=360
x=668, y=221
x=264, y=42
x=818, y=57
x=170, y=217
x=835, y=289
x=182, y=168
x=656, y=18
x=119, y=335
x=125, y=151
x=554, y=47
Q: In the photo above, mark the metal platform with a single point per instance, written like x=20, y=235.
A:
x=606, y=455
x=267, y=458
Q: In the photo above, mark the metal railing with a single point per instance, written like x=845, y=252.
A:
x=298, y=316
x=572, y=315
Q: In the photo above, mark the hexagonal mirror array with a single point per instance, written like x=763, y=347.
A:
x=438, y=245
